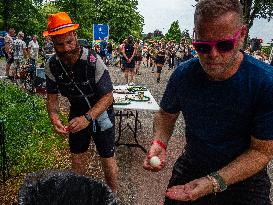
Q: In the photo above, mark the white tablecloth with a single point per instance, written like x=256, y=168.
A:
x=136, y=105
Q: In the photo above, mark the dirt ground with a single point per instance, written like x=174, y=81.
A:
x=136, y=186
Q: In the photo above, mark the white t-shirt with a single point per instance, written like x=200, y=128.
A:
x=18, y=49
x=34, y=49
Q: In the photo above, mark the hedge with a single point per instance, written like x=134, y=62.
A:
x=31, y=143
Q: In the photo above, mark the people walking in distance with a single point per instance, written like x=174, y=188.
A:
x=19, y=52
x=159, y=61
x=138, y=56
x=8, y=50
x=129, y=64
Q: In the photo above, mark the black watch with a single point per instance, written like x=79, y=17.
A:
x=220, y=181
x=88, y=117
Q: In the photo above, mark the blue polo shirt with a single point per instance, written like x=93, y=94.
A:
x=221, y=116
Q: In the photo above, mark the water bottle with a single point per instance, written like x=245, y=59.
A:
x=104, y=121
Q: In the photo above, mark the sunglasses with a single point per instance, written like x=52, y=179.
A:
x=222, y=46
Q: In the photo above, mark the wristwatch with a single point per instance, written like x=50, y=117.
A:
x=220, y=181
x=88, y=117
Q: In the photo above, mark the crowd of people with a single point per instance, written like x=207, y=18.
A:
x=153, y=54
x=20, y=50
x=131, y=54
x=225, y=96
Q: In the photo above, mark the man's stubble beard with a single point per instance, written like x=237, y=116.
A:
x=70, y=58
x=223, y=70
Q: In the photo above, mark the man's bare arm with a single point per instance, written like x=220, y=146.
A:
x=53, y=106
x=164, y=123
x=53, y=111
x=249, y=163
x=101, y=105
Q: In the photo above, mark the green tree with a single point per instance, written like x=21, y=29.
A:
x=174, y=33
x=23, y=15
x=82, y=12
x=256, y=9
x=122, y=17
x=2, y=26
x=185, y=34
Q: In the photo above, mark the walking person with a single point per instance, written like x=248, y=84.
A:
x=19, y=52
x=33, y=49
x=226, y=98
x=81, y=76
x=138, y=56
x=8, y=50
x=129, y=64
x=160, y=61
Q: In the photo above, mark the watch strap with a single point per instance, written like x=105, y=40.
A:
x=88, y=117
x=220, y=181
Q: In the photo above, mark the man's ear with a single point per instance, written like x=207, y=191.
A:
x=243, y=34
x=244, y=31
x=75, y=34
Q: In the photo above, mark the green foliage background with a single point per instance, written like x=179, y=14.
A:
x=31, y=143
x=174, y=33
x=267, y=50
x=30, y=16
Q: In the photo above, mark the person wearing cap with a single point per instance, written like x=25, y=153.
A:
x=226, y=98
x=81, y=76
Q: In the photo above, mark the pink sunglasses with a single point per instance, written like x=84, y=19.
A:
x=222, y=46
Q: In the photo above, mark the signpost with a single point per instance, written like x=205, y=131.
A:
x=100, y=32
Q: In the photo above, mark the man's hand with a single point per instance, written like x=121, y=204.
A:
x=59, y=127
x=155, y=150
x=190, y=191
x=77, y=124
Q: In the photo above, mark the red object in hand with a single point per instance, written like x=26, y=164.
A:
x=160, y=143
x=67, y=129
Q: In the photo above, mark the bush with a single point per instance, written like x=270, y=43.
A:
x=266, y=50
x=30, y=138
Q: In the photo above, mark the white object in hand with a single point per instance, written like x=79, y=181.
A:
x=155, y=161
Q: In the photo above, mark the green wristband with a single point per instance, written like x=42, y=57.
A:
x=220, y=181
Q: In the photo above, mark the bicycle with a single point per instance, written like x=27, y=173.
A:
x=27, y=76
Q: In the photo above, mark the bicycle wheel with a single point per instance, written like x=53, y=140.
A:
x=28, y=83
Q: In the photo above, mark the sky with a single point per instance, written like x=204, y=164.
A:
x=159, y=14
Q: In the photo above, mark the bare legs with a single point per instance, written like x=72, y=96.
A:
x=80, y=162
x=8, y=69
x=110, y=169
x=131, y=72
